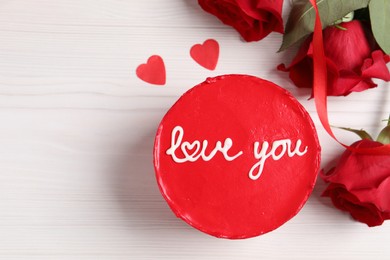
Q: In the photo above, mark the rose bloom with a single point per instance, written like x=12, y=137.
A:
x=360, y=184
x=253, y=19
x=352, y=60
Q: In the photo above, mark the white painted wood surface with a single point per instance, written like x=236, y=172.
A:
x=77, y=129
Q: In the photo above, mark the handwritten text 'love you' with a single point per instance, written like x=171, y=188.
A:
x=197, y=151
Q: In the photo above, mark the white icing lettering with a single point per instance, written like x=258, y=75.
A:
x=195, y=150
x=263, y=154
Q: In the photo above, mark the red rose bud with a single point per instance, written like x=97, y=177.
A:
x=360, y=184
x=253, y=19
x=351, y=59
x=346, y=48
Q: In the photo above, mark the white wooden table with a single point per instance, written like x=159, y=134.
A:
x=77, y=129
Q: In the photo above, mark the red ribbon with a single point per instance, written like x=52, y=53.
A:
x=320, y=88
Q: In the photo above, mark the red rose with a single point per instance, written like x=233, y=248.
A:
x=253, y=19
x=360, y=184
x=351, y=59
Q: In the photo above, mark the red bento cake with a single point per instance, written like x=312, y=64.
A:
x=236, y=156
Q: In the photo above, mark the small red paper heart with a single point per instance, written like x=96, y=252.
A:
x=153, y=71
x=206, y=54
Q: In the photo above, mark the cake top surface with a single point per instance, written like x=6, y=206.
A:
x=236, y=156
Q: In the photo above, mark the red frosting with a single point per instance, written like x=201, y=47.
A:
x=219, y=190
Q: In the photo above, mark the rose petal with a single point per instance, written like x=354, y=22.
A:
x=360, y=171
x=379, y=196
x=345, y=201
x=301, y=69
x=274, y=9
x=347, y=48
x=376, y=67
x=366, y=213
x=348, y=82
x=252, y=19
x=267, y=12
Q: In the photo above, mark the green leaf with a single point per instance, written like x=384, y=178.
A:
x=380, y=22
x=302, y=17
x=361, y=133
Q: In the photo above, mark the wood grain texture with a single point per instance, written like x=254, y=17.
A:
x=77, y=130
